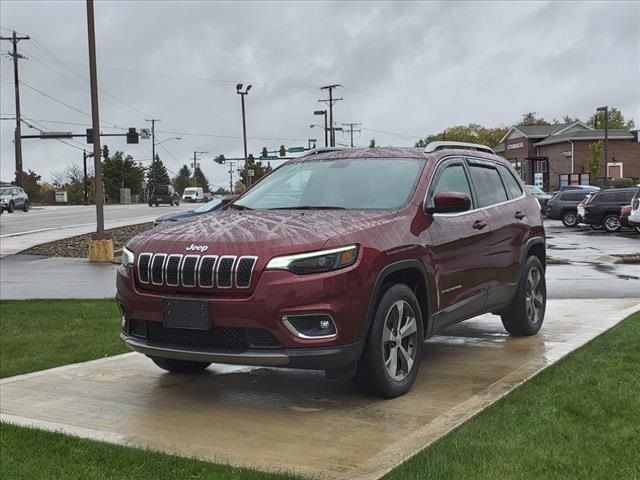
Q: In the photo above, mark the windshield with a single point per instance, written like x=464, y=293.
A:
x=5, y=191
x=209, y=206
x=190, y=191
x=533, y=190
x=161, y=190
x=358, y=183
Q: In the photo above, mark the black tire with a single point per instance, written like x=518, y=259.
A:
x=373, y=371
x=611, y=223
x=637, y=228
x=25, y=207
x=11, y=207
x=179, y=366
x=157, y=204
x=171, y=203
x=150, y=204
x=525, y=315
x=570, y=219
x=596, y=227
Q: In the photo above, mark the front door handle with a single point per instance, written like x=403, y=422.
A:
x=520, y=215
x=480, y=224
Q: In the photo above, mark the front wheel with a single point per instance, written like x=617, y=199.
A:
x=391, y=356
x=611, y=223
x=569, y=219
x=25, y=207
x=179, y=366
x=525, y=315
x=11, y=207
x=637, y=228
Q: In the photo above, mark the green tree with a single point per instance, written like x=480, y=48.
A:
x=472, y=133
x=183, y=180
x=157, y=173
x=259, y=170
x=530, y=118
x=616, y=120
x=222, y=191
x=120, y=171
x=31, y=185
x=200, y=179
x=595, y=163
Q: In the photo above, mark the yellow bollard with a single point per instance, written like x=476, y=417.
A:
x=100, y=250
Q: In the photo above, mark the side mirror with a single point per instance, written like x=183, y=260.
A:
x=449, y=202
x=229, y=199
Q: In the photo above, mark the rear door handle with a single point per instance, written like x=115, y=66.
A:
x=480, y=224
x=520, y=215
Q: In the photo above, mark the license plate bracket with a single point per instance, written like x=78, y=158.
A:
x=188, y=314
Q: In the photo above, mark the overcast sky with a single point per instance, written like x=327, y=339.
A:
x=408, y=69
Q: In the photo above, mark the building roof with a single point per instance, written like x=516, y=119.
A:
x=582, y=135
x=543, y=131
x=499, y=148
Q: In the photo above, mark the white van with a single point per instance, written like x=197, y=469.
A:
x=193, y=194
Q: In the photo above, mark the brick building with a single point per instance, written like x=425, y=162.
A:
x=554, y=155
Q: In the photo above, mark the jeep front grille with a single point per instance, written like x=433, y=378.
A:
x=207, y=271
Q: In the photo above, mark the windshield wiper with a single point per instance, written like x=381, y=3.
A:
x=237, y=206
x=310, y=207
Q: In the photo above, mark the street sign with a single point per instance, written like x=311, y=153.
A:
x=56, y=135
x=145, y=133
x=251, y=172
x=295, y=149
x=269, y=157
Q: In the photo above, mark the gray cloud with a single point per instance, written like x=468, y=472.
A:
x=409, y=68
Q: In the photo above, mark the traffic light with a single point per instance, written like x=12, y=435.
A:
x=220, y=159
x=89, y=135
x=250, y=159
x=105, y=152
x=283, y=151
x=132, y=136
x=265, y=152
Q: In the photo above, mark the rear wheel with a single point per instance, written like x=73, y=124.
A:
x=11, y=207
x=391, y=356
x=25, y=207
x=179, y=366
x=525, y=315
x=611, y=223
x=570, y=219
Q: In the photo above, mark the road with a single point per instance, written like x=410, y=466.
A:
x=20, y=230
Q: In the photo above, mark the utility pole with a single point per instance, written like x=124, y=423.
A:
x=326, y=130
x=244, y=130
x=195, y=165
x=153, y=139
x=95, y=115
x=86, y=155
x=331, y=101
x=352, y=130
x=231, y=167
x=16, y=83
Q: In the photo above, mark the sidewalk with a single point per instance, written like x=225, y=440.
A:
x=30, y=277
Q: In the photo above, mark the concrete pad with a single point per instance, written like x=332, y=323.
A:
x=298, y=421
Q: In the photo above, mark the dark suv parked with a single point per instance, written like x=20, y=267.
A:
x=564, y=206
x=340, y=260
x=603, y=208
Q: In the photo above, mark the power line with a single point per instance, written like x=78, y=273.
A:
x=352, y=130
x=195, y=134
x=401, y=135
x=331, y=102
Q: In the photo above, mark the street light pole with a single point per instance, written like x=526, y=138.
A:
x=86, y=155
x=605, y=109
x=244, y=129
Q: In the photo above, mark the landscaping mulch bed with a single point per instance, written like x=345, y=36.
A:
x=78, y=247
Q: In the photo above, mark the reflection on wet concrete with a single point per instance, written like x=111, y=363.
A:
x=297, y=420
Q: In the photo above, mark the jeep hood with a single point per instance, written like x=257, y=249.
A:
x=259, y=233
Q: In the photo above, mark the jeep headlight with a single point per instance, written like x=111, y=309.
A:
x=127, y=257
x=316, y=262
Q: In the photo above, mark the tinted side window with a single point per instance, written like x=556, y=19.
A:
x=574, y=197
x=488, y=185
x=513, y=187
x=452, y=179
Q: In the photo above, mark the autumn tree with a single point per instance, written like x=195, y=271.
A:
x=472, y=133
x=615, y=117
x=595, y=163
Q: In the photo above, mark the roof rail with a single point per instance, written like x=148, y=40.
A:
x=315, y=151
x=435, y=146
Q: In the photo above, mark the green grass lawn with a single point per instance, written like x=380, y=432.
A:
x=577, y=419
x=39, y=334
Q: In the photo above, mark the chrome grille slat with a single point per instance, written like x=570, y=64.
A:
x=190, y=271
x=224, y=273
x=206, y=271
x=244, y=271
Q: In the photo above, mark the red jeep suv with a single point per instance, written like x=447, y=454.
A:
x=343, y=260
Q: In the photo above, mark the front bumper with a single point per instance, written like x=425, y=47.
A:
x=316, y=358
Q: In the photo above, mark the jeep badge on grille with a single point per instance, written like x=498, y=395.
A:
x=197, y=248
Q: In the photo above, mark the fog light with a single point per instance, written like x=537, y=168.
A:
x=311, y=325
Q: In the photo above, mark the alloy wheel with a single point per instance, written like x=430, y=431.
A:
x=534, y=298
x=612, y=223
x=399, y=340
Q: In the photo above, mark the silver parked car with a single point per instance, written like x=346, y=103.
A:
x=12, y=198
